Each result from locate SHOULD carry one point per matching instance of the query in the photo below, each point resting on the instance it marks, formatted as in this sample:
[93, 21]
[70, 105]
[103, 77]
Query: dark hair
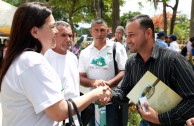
[191, 39]
[25, 18]
[98, 21]
[145, 22]
[173, 37]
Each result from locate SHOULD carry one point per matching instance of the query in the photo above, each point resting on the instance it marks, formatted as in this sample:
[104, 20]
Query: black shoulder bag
[71, 121]
[87, 113]
[115, 62]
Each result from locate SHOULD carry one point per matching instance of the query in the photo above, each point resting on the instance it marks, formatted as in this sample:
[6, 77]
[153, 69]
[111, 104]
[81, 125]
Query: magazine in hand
[160, 97]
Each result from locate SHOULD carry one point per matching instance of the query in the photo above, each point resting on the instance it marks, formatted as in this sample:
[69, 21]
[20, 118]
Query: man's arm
[59, 110]
[120, 92]
[86, 82]
[182, 79]
[121, 58]
[115, 81]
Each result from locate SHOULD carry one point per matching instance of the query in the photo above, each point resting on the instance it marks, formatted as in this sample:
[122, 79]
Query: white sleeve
[81, 66]
[41, 86]
[121, 56]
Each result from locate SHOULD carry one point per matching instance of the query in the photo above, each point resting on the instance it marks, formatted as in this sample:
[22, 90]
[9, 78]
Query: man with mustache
[65, 62]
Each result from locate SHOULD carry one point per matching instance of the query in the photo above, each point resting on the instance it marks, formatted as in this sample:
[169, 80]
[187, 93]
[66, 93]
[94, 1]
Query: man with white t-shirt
[96, 67]
[65, 62]
[173, 44]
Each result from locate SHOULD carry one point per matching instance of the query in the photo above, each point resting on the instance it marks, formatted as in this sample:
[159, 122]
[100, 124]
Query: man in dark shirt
[170, 67]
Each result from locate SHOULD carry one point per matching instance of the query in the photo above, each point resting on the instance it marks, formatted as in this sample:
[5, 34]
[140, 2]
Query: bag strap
[115, 63]
[77, 112]
[71, 122]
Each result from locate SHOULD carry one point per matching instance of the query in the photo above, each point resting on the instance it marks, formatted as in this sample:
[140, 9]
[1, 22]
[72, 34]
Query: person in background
[30, 88]
[1, 53]
[119, 33]
[65, 62]
[188, 46]
[190, 56]
[160, 40]
[186, 50]
[110, 36]
[96, 67]
[168, 66]
[3, 50]
[167, 40]
[119, 37]
[74, 41]
[173, 44]
[5, 45]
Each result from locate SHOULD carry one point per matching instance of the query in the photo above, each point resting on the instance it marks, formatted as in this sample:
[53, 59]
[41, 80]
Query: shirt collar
[154, 54]
[155, 51]
[108, 43]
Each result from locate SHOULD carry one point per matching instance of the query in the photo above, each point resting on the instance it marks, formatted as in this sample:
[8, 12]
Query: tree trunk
[165, 16]
[71, 11]
[192, 20]
[115, 14]
[173, 16]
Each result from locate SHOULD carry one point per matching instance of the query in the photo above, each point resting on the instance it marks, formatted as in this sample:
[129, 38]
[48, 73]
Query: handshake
[103, 94]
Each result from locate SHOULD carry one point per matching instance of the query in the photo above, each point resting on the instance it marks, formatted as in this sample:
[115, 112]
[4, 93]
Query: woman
[30, 88]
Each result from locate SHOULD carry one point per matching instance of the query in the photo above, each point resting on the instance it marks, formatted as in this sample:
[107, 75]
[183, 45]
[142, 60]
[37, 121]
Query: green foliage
[127, 16]
[66, 9]
[77, 10]
[182, 27]
[19, 2]
[82, 31]
[134, 117]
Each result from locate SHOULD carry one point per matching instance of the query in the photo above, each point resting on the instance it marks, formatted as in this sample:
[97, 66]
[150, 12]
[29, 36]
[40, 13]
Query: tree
[181, 27]
[173, 15]
[165, 16]
[115, 15]
[158, 21]
[174, 8]
[75, 11]
[19, 2]
[192, 20]
[127, 16]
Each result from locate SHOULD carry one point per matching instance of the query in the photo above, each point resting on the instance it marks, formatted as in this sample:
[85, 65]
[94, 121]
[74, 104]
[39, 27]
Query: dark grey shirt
[171, 68]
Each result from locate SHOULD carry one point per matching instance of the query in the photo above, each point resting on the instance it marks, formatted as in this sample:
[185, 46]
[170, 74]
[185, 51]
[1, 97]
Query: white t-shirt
[29, 87]
[66, 67]
[174, 46]
[99, 64]
[189, 48]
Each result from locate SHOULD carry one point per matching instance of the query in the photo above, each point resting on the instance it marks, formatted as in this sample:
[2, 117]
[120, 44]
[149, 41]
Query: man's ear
[90, 30]
[108, 30]
[149, 33]
[33, 32]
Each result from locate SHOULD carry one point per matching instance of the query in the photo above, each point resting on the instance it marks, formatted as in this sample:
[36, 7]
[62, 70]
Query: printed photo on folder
[160, 97]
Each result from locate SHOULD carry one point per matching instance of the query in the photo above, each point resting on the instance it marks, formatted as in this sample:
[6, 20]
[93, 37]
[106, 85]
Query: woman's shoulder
[31, 58]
